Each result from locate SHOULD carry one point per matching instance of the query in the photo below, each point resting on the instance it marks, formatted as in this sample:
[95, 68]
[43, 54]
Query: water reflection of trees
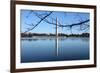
[85, 39]
[60, 39]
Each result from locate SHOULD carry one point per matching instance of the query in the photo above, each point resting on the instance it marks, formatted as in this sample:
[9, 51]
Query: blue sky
[65, 18]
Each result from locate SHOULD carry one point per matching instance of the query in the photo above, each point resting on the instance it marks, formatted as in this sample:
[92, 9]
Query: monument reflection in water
[43, 50]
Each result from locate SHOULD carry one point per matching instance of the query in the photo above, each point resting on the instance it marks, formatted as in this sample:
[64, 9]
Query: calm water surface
[42, 50]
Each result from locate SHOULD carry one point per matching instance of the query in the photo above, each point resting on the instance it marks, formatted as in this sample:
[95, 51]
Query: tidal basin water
[44, 50]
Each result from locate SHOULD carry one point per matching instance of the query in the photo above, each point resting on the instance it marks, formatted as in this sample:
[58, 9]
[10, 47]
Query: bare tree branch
[43, 17]
[38, 23]
[71, 25]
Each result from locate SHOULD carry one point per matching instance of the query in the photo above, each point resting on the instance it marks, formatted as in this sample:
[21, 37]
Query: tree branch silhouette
[29, 29]
[43, 17]
[60, 25]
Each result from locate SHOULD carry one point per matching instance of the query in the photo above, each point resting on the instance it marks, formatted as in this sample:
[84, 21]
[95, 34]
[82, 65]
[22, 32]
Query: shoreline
[50, 38]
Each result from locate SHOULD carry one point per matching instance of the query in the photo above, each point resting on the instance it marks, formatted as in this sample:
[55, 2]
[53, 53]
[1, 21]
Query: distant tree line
[51, 34]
